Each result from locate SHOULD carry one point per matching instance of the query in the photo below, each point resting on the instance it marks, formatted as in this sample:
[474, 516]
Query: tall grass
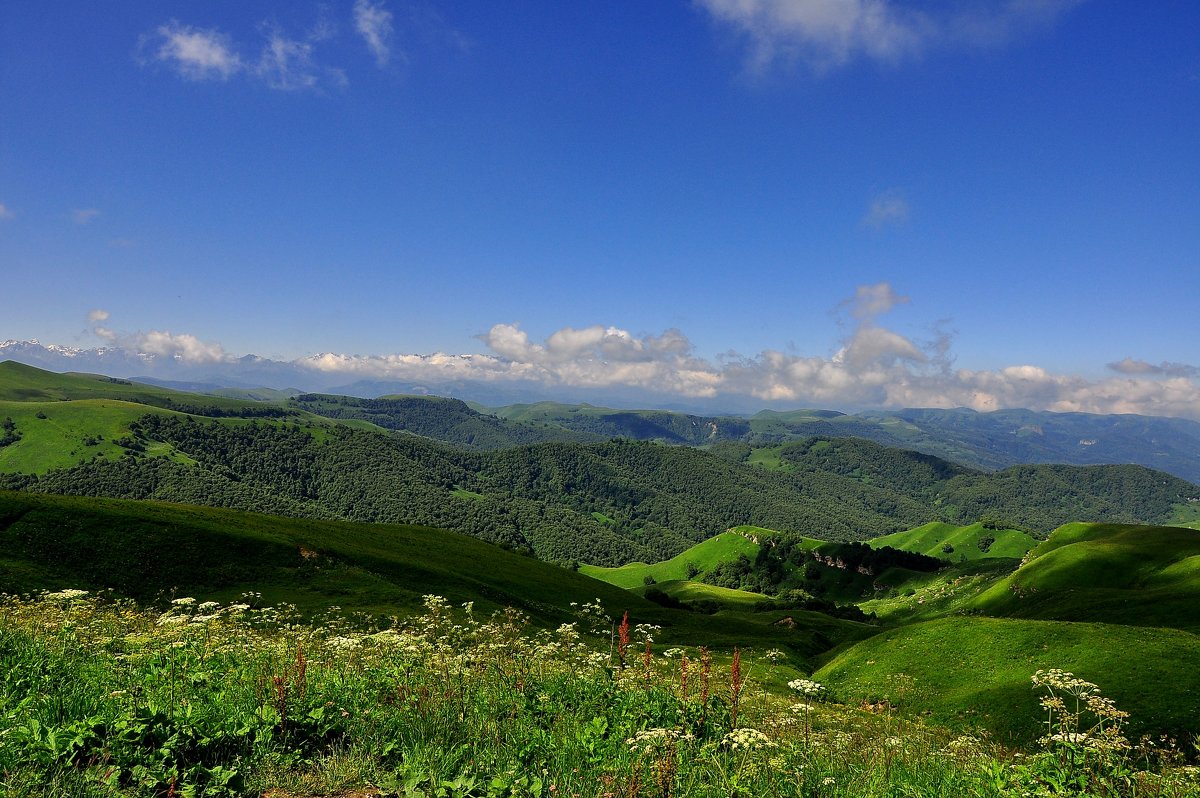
[102, 697]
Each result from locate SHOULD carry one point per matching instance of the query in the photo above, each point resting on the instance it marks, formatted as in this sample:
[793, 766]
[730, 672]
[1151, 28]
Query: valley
[894, 578]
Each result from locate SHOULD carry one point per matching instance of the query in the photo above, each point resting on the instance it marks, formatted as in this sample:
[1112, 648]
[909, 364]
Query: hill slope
[975, 672]
[1117, 573]
[956, 543]
[150, 551]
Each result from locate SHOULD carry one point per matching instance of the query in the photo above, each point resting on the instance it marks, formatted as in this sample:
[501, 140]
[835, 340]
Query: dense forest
[603, 503]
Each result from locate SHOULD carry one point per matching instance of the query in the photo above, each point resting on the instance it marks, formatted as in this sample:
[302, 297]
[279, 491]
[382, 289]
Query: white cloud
[197, 54]
[5, 213]
[84, 215]
[284, 63]
[287, 64]
[873, 367]
[870, 301]
[831, 33]
[183, 347]
[374, 23]
[888, 208]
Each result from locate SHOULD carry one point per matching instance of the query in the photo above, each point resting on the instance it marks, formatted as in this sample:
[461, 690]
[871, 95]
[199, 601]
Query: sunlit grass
[102, 697]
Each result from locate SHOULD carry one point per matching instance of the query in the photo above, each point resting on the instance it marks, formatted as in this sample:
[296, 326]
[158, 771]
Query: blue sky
[684, 193]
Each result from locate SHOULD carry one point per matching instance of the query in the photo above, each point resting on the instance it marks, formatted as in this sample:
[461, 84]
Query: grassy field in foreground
[975, 672]
[103, 699]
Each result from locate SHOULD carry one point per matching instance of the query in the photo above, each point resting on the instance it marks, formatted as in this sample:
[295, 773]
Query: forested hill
[447, 420]
[986, 441]
[604, 503]
[644, 425]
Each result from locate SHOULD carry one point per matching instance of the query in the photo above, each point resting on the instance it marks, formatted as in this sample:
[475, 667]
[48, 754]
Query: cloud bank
[827, 34]
[874, 367]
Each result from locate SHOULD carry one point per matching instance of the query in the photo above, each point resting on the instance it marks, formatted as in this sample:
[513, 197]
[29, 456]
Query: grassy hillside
[61, 434]
[144, 549]
[21, 383]
[684, 590]
[975, 672]
[151, 551]
[1141, 575]
[605, 503]
[957, 543]
[703, 557]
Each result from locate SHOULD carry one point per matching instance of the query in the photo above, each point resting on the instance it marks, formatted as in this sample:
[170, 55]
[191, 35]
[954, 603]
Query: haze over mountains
[991, 440]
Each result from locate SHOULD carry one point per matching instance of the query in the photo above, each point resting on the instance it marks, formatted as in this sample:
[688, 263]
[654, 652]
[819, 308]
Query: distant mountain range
[501, 414]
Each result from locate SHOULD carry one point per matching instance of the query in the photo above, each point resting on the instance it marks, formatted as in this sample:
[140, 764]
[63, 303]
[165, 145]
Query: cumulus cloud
[831, 33]
[374, 23]
[183, 347]
[197, 53]
[874, 366]
[888, 208]
[84, 215]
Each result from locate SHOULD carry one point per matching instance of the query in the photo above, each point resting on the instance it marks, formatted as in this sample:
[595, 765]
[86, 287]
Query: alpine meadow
[704, 399]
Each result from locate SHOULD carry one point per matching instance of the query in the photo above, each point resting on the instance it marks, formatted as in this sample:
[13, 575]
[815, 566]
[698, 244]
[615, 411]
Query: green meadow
[696, 561]
[956, 543]
[969, 672]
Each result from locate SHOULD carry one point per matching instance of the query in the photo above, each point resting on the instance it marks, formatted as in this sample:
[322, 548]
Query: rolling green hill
[151, 551]
[1116, 573]
[62, 434]
[975, 672]
[21, 383]
[606, 503]
[694, 562]
[956, 543]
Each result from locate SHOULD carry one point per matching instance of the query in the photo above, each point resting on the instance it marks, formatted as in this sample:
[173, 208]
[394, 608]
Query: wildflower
[657, 739]
[747, 739]
[807, 688]
[70, 594]
[186, 601]
[1075, 738]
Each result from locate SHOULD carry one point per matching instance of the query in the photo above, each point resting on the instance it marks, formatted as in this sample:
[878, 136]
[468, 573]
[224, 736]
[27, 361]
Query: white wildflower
[746, 739]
